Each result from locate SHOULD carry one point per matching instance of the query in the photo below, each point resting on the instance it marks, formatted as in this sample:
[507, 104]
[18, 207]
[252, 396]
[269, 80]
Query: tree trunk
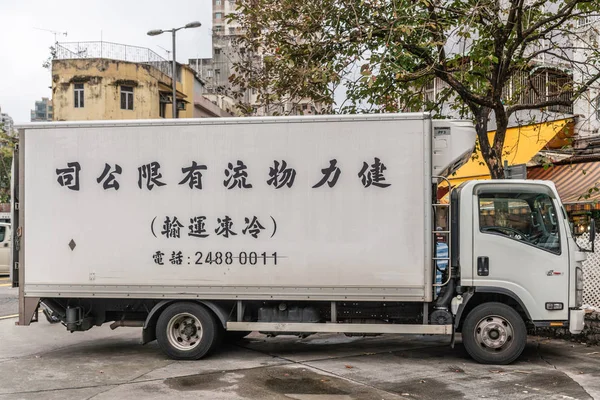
[497, 170]
[492, 153]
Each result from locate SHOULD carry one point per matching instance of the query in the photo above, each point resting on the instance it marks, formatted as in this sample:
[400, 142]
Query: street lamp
[156, 32]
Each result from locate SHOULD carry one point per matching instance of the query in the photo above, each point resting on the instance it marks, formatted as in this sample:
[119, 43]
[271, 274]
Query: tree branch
[539, 105]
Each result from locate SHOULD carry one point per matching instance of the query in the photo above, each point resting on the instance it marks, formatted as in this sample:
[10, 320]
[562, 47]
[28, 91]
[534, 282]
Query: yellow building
[87, 85]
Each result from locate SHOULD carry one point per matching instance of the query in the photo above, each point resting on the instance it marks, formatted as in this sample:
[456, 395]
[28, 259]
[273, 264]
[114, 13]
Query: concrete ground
[44, 361]
[8, 297]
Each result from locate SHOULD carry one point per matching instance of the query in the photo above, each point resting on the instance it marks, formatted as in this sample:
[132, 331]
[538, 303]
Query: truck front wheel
[186, 331]
[494, 333]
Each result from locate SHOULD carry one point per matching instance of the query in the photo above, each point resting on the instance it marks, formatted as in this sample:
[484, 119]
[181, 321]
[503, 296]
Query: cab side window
[2, 233]
[529, 218]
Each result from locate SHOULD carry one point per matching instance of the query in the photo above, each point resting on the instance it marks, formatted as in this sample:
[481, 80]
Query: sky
[23, 48]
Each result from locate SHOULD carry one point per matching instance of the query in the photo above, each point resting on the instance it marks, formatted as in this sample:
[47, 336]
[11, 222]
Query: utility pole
[156, 32]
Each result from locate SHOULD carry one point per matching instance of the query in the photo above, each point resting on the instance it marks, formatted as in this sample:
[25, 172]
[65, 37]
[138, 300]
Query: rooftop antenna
[53, 50]
[55, 33]
[167, 51]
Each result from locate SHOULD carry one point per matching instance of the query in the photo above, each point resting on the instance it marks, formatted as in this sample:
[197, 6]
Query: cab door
[520, 248]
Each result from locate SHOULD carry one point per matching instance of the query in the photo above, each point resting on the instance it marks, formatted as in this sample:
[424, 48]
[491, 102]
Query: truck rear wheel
[494, 333]
[187, 331]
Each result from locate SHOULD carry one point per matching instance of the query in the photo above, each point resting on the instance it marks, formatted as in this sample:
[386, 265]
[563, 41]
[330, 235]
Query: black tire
[494, 333]
[235, 336]
[187, 331]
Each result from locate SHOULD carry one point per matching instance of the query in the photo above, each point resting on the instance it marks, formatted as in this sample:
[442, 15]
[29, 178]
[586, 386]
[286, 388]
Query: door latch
[483, 266]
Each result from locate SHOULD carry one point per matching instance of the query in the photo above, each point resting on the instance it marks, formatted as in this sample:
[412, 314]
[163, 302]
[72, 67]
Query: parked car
[5, 239]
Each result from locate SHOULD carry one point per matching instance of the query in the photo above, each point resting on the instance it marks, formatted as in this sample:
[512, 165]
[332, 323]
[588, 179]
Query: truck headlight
[578, 287]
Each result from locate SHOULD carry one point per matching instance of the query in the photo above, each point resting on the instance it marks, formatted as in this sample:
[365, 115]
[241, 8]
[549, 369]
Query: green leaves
[456, 58]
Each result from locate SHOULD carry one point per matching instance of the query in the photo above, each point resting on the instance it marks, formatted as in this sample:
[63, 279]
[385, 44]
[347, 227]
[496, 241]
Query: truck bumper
[576, 321]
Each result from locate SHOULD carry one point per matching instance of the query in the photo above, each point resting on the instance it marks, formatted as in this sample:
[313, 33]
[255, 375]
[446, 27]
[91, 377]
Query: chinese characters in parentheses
[150, 174]
[225, 227]
[172, 228]
[197, 227]
[253, 227]
[236, 176]
[69, 177]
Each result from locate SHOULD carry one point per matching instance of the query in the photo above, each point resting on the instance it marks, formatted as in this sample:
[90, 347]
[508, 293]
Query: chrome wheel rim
[494, 333]
[184, 331]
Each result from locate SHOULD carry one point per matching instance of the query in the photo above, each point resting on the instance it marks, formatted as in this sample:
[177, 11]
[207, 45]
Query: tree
[386, 53]
[7, 145]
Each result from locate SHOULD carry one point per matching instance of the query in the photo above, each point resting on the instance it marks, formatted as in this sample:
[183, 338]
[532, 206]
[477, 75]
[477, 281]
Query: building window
[126, 97]
[231, 31]
[218, 15]
[78, 92]
[217, 72]
[217, 51]
[218, 29]
[218, 2]
[162, 109]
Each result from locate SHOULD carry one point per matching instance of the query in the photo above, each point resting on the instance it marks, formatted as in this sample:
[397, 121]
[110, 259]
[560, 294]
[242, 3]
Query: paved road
[8, 297]
[43, 361]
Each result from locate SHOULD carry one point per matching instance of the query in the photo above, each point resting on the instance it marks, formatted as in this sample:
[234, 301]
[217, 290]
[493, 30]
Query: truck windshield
[526, 217]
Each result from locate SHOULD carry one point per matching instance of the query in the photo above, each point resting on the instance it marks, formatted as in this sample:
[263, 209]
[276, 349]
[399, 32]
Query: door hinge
[16, 206]
[16, 265]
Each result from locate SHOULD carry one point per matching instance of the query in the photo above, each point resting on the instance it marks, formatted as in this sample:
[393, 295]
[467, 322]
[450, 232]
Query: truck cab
[513, 245]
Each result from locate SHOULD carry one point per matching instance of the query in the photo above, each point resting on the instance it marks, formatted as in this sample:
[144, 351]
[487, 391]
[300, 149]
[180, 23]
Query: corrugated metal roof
[576, 183]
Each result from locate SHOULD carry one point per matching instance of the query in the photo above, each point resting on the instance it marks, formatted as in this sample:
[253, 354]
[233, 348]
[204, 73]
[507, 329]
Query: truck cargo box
[320, 208]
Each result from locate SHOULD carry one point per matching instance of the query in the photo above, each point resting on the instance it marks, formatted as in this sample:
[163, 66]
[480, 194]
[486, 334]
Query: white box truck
[202, 230]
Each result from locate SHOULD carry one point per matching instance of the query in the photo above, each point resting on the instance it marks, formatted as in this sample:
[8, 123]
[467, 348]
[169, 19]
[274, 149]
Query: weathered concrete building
[122, 82]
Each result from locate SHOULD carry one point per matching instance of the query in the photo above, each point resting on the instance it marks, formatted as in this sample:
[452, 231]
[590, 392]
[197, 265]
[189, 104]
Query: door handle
[483, 266]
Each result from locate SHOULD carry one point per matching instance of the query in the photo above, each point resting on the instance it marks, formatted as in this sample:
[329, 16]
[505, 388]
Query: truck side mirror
[592, 233]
